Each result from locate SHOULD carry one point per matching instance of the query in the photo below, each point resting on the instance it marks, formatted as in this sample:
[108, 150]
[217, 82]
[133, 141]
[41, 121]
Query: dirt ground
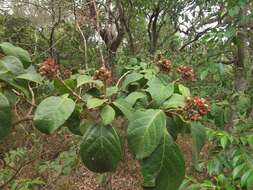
[127, 176]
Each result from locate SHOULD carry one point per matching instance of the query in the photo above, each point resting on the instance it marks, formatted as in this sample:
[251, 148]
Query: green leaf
[234, 11]
[165, 168]
[12, 64]
[159, 91]
[18, 52]
[185, 184]
[107, 114]
[204, 74]
[111, 91]
[247, 179]
[224, 141]
[95, 102]
[175, 101]
[34, 77]
[85, 79]
[5, 116]
[133, 77]
[101, 149]
[134, 96]
[199, 137]
[10, 79]
[74, 121]
[133, 61]
[176, 125]
[218, 114]
[52, 112]
[238, 170]
[124, 107]
[145, 131]
[184, 90]
[243, 103]
[61, 88]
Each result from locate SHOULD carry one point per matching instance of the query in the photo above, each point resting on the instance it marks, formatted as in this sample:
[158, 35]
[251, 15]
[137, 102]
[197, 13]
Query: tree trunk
[153, 30]
[240, 66]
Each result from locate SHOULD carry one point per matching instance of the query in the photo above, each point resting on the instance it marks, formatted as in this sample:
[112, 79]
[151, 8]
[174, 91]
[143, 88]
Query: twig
[27, 118]
[79, 98]
[84, 39]
[52, 46]
[32, 103]
[14, 175]
[51, 182]
[98, 31]
[199, 35]
[122, 77]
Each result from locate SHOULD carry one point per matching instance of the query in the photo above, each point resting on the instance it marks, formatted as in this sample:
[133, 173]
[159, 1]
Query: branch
[70, 90]
[55, 25]
[14, 175]
[27, 118]
[197, 37]
[33, 104]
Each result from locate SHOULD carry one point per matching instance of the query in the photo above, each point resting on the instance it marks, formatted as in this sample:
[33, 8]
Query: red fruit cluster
[186, 72]
[49, 68]
[67, 73]
[195, 108]
[164, 64]
[104, 75]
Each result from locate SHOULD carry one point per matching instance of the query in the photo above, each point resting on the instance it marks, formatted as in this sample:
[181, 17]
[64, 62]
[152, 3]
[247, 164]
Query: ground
[127, 176]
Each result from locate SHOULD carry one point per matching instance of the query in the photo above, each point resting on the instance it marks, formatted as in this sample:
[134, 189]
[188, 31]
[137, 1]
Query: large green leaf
[52, 112]
[134, 96]
[74, 121]
[12, 64]
[124, 107]
[64, 89]
[175, 101]
[101, 149]
[145, 131]
[34, 77]
[160, 91]
[133, 77]
[10, 79]
[176, 125]
[5, 116]
[199, 138]
[95, 102]
[111, 91]
[107, 114]
[165, 168]
[18, 52]
[184, 90]
[85, 79]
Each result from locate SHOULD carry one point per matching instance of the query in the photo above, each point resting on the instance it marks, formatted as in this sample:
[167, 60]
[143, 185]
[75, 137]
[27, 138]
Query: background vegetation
[204, 48]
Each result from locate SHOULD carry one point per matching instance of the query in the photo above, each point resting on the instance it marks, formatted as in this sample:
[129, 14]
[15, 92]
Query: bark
[56, 22]
[113, 32]
[240, 66]
[131, 41]
[156, 23]
[126, 23]
[152, 30]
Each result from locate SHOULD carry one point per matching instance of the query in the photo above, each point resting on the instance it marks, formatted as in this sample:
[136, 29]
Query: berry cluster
[186, 72]
[104, 75]
[49, 68]
[163, 63]
[195, 108]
